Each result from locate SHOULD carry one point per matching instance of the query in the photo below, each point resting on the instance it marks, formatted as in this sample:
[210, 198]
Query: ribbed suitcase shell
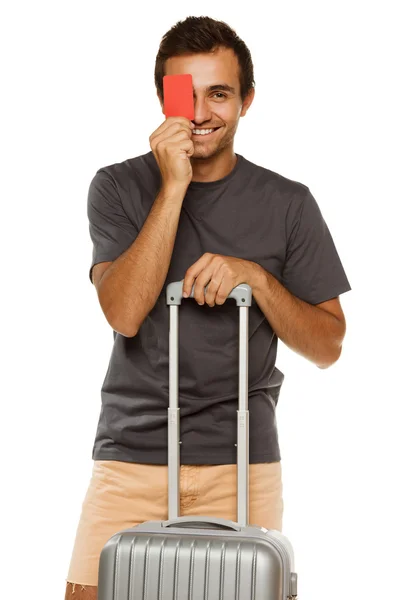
[199, 558]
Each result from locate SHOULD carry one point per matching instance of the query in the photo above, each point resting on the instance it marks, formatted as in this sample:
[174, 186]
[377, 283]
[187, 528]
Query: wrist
[174, 189]
[257, 277]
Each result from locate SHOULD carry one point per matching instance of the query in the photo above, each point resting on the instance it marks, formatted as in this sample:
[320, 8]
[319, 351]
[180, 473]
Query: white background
[79, 94]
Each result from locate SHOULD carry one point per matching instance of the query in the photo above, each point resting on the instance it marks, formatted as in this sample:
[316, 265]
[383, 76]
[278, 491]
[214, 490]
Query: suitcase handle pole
[243, 296]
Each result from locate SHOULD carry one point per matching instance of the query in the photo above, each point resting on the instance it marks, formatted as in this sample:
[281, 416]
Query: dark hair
[203, 34]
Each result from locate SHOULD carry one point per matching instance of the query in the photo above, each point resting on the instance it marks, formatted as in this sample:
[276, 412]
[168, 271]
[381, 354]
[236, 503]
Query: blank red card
[178, 96]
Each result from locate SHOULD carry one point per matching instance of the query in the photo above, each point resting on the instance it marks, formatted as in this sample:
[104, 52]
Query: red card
[178, 96]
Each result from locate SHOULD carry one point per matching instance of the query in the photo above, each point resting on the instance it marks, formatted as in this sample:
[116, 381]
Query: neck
[213, 168]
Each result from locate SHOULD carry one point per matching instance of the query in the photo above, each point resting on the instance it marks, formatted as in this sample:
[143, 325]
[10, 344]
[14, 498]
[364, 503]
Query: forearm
[308, 330]
[132, 284]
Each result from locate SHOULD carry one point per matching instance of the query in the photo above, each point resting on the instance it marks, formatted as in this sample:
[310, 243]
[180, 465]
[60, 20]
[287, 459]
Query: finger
[224, 290]
[169, 136]
[171, 121]
[180, 124]
[202, 280]
[193, 272]
[213, 287]
[178, 141]
[181, 120]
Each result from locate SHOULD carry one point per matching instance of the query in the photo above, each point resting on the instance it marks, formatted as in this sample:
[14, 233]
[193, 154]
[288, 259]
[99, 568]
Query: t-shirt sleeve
[313, 270]
[111, 231]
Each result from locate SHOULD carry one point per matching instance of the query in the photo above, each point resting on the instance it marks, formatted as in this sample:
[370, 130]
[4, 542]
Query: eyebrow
[220, 86]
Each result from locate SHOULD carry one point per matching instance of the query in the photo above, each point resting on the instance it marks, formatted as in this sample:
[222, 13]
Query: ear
[247, 102]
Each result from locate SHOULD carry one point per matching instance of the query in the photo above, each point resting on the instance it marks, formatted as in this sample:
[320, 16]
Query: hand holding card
[178, 96]
[171, 143]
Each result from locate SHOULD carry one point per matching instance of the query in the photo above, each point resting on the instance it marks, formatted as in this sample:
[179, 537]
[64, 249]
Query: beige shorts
[121, 495]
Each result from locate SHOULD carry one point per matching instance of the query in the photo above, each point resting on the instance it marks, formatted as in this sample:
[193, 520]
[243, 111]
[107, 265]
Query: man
[192, 209]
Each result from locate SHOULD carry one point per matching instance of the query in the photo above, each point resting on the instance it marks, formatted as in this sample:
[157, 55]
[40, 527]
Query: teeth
[202, 131]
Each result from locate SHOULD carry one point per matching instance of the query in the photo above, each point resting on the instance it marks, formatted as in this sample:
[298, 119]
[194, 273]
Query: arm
[312, 271]
[130, 286]
[315, 332]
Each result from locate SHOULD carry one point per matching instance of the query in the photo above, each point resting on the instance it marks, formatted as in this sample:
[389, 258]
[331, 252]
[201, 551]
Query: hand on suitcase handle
[196, 522]
[242, 293]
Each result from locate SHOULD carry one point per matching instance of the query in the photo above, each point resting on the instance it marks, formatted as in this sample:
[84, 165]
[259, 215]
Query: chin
[205, 153]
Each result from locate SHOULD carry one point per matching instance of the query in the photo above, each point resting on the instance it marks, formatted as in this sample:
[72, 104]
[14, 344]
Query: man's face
[213, 108]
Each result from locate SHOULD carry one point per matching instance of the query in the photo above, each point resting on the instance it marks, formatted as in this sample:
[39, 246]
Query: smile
[199, 133]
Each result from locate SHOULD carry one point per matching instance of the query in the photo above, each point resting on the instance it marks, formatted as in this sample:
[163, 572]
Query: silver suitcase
[201, 558]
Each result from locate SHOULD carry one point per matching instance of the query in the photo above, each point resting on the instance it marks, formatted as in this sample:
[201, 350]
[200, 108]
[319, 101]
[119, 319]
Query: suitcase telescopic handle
[243, 296]
[242, 293]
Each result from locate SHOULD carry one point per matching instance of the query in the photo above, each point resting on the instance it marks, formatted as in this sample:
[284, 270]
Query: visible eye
[220, 93]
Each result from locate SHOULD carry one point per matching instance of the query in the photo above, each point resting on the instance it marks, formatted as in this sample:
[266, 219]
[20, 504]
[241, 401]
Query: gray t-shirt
[254, 214]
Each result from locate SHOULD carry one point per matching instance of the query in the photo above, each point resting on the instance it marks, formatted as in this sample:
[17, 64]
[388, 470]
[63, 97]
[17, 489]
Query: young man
[193, 209]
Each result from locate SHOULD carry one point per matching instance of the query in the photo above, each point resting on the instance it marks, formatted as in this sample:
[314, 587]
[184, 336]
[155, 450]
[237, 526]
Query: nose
[202, 111]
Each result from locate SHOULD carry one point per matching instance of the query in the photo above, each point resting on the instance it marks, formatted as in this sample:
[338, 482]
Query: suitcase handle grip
[242, 293]
[202, 522]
